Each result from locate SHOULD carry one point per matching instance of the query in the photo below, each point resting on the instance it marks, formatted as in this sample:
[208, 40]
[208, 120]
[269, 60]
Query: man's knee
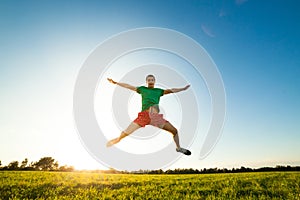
[174, 132]
[123, 134]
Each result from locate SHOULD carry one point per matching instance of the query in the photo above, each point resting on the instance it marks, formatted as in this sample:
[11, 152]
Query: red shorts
[147, 118]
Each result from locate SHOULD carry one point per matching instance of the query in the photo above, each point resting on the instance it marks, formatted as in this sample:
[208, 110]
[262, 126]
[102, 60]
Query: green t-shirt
[150, 96]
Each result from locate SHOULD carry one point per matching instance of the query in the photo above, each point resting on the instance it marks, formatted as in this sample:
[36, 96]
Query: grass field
[81, 185]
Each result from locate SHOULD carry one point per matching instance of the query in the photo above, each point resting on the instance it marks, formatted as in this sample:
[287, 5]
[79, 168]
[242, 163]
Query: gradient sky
[255, 45]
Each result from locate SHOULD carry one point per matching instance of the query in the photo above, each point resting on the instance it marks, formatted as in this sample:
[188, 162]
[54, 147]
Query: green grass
[79, 185]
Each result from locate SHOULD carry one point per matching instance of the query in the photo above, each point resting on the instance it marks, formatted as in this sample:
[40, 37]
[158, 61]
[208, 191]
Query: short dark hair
[150, 75]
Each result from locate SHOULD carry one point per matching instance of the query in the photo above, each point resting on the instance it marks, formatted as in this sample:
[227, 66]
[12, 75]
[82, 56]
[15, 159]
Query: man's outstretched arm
[125, 85]
[174, 90]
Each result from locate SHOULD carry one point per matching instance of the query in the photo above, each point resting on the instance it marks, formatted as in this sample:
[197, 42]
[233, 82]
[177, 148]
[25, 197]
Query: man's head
[150, 80]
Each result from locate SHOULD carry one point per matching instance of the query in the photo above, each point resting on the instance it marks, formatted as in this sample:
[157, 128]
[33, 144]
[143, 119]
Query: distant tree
[13, 165]
[242, 169]
[224, 170]
[31, 164]
[46, 164]
[112, 171]
[24, 164]
[212, 170]
[66, 168]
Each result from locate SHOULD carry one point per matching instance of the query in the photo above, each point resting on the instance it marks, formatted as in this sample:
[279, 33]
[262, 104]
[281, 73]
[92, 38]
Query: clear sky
[255, 45]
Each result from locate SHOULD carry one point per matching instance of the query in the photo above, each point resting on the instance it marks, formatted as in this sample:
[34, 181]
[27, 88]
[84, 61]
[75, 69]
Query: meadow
[86, 185]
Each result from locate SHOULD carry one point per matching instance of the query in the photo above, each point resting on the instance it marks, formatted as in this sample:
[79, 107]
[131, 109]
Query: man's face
[150, 81]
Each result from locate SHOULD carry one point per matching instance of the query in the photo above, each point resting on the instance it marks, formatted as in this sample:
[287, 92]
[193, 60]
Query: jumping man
[150, 111]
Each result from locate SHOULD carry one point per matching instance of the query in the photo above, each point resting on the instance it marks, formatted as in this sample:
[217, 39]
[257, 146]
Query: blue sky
[255, 45]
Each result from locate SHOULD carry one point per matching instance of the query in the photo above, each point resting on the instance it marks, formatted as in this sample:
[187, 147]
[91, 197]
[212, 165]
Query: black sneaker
[184, 151]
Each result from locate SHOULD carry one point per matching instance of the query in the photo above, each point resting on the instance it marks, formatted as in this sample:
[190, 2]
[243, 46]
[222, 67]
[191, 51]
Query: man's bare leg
[170, 128]
[130, 129]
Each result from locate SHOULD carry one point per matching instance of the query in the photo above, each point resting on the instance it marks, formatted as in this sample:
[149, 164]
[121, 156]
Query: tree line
[49, 164]
[44, 164]
[278, 168]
